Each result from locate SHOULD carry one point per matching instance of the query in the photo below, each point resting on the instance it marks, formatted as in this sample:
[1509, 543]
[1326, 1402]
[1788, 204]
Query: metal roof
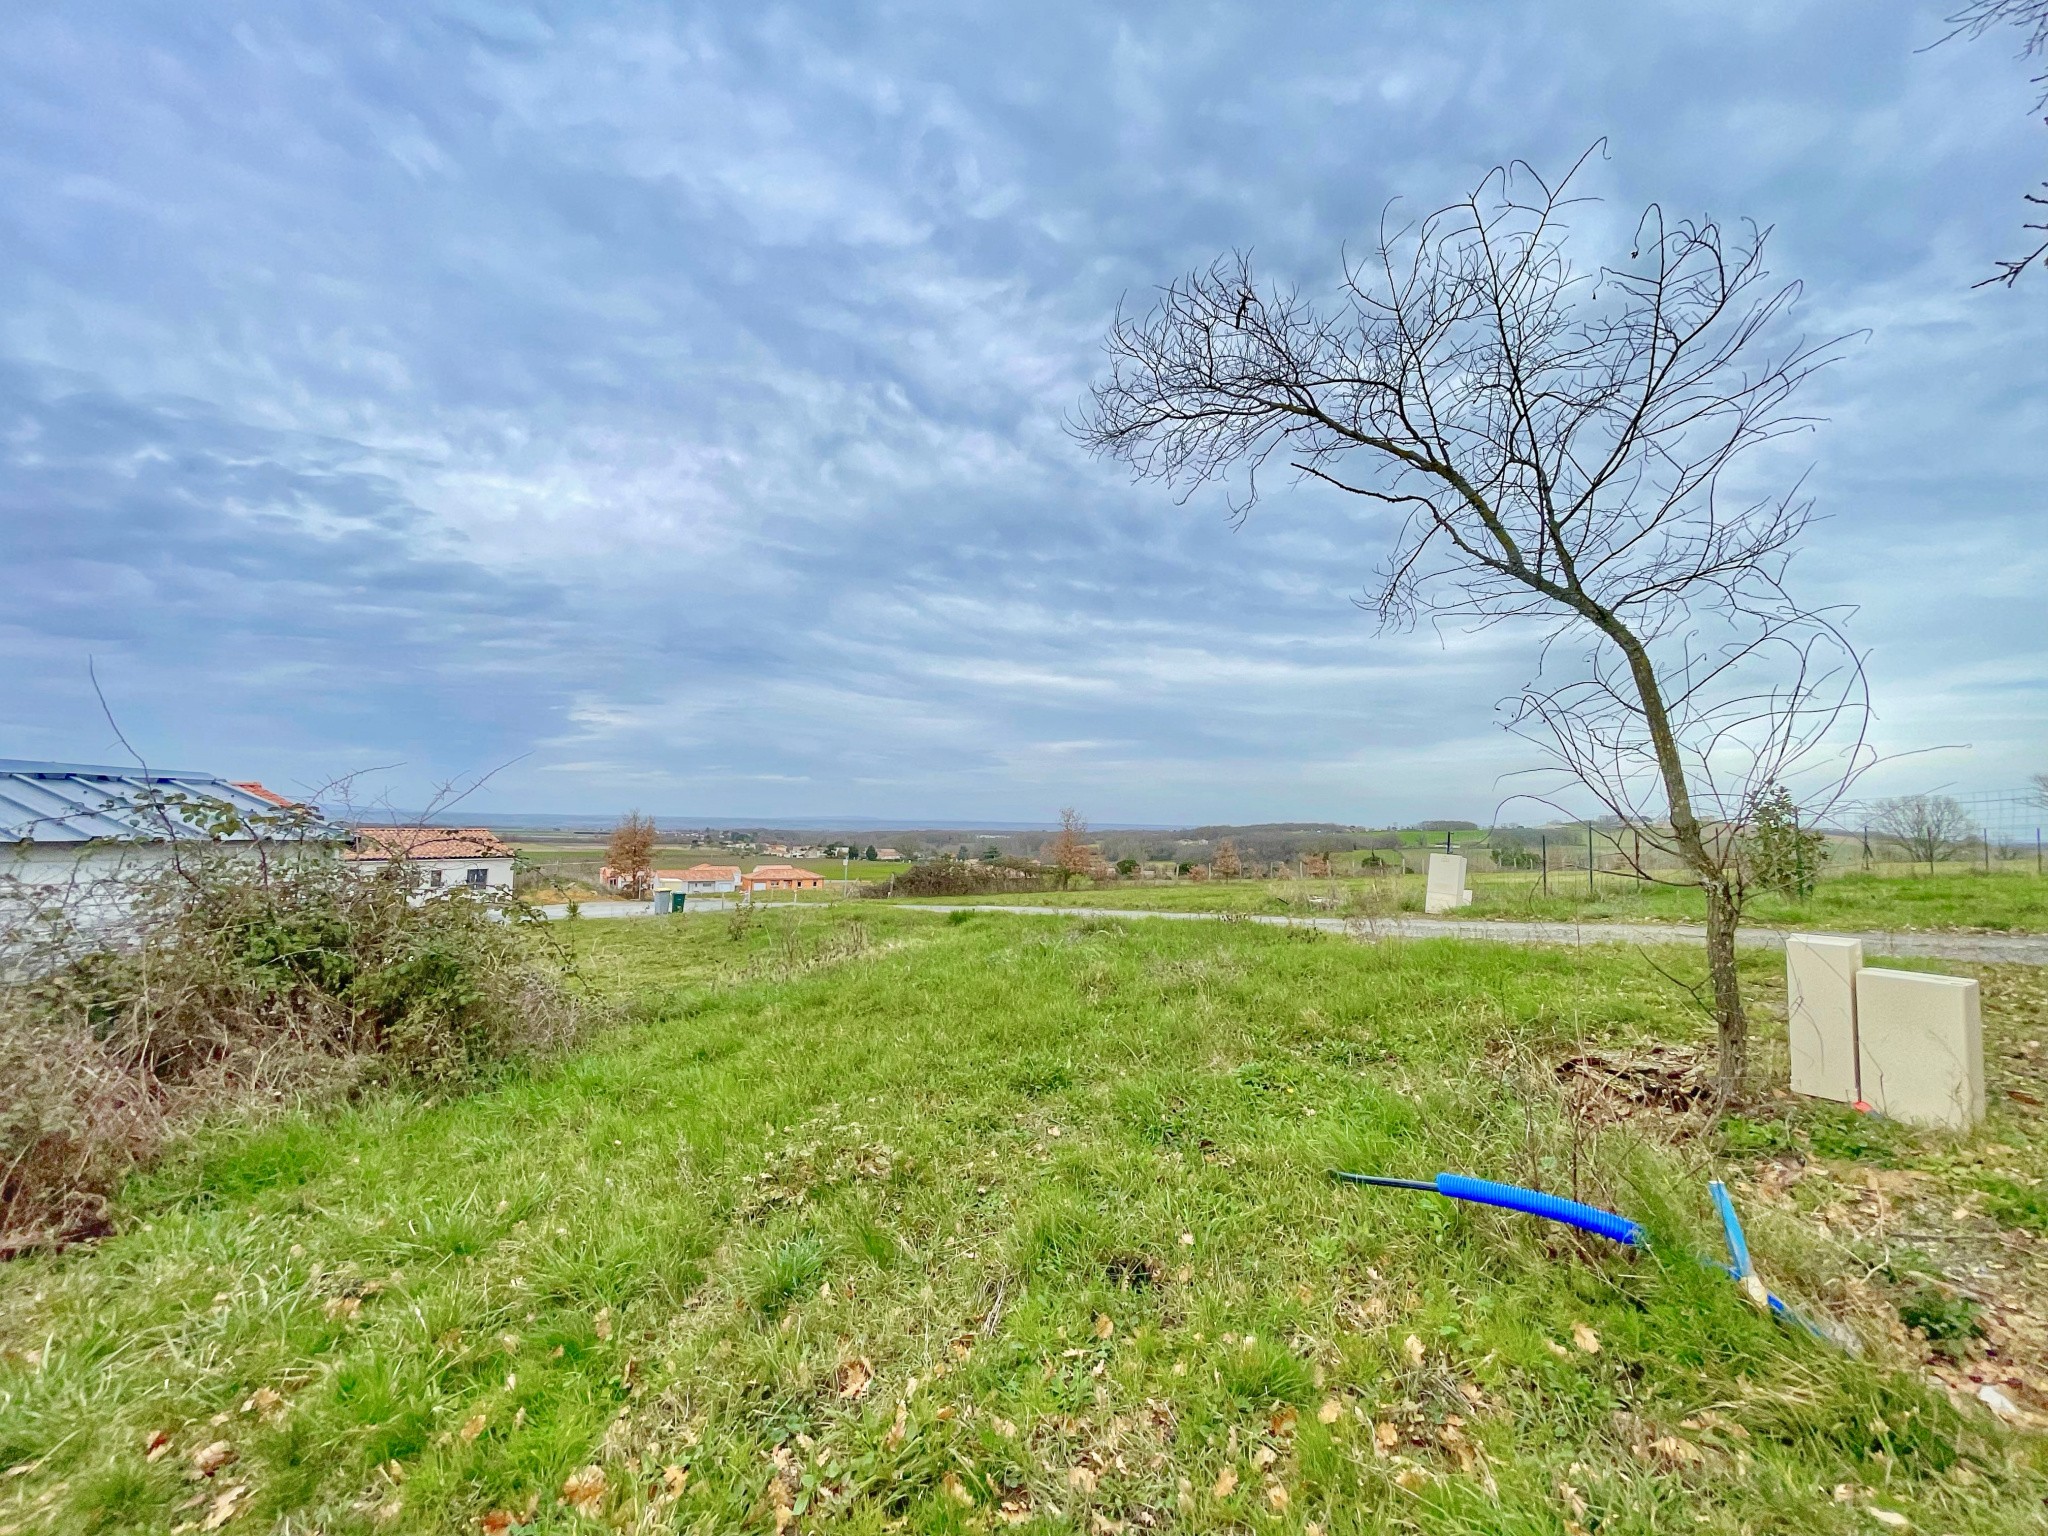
[88, 802]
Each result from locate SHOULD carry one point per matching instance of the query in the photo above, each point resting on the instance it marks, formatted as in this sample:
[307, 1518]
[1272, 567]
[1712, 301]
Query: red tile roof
[701, 872]
[427, 843]
[781, 873]
[250, 786]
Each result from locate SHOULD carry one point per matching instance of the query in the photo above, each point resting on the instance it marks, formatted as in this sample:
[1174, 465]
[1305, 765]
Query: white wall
[445, 874]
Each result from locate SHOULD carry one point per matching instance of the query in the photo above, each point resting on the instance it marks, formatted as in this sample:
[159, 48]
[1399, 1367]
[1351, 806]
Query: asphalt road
[2012, 948]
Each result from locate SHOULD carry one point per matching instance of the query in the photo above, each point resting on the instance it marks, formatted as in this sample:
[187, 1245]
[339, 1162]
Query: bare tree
[1226, 864]
[1928, 827]
[1069, 852]
[1559, 445]
[630, 853]
[2031, 18]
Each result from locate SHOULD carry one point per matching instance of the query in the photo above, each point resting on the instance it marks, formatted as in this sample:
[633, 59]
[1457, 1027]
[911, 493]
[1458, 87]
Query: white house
[77, 832]
[699, 879]
[441, 858]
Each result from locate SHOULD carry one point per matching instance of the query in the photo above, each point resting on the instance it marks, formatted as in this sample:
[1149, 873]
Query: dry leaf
[1104, 1326]
[1557, 1349]
[1411, 1478]
[956, 1490]
[156, 1445]
[1226, 1482]
[473, 1426]
[224, 1508]
[209, 1459]
[1676, 1452]
[1277, 1497]
[1264, 1457]
[1586, 1339]
[1411, 1348]
[854, 1378]
[673, 1481]
[1754, 1293]
[601, 1324]
[1890, 1517]
[344, 1307]
[497, 1522]
[263, 1400]
[1081, 1478]
[1331, 1411]
[1573, 1500]
[1385, 1436]
[583, 1491]
[1282, 1422]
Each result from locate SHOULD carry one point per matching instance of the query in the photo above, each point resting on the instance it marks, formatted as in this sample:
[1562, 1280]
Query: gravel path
[2014, 948]
[2023, 949]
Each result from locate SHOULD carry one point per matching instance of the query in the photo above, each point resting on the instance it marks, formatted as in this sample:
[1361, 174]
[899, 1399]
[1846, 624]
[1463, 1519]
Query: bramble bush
[227, 984]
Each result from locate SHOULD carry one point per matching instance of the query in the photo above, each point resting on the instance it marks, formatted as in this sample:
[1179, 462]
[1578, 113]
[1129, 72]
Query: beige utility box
[1446, 888]
[1820, 1014]
[1920, 1040]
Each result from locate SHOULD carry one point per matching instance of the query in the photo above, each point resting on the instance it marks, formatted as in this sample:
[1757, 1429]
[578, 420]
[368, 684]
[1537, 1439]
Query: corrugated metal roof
[87, 802]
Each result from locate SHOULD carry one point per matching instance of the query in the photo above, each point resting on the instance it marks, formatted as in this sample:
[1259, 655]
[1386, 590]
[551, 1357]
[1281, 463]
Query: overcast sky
[667, 401]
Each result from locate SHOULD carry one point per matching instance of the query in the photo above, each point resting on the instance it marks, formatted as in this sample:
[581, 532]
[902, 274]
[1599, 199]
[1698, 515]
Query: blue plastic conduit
[1512, 1197]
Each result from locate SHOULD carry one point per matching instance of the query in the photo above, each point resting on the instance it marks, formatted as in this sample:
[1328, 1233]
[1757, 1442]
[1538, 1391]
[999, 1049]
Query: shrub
[956, 877]
[230, 985]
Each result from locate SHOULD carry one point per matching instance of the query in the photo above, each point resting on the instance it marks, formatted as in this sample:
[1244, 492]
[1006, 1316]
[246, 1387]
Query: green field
[871, 1220]
[1963, 899]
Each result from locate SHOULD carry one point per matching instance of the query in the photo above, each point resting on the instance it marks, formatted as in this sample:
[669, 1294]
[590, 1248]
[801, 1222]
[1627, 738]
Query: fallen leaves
[1104, 1325]
[854, 1377]
[1226, 1482]
[956, 1490]
[1587, 1341]
[209, 1459]
[473, 1426]
[583, 1491]
[1412, 1351]
[601, 1324]
[224, 1508]
[155, 1446]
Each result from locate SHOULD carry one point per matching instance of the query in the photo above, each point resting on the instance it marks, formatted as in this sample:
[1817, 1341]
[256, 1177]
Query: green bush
[230, 984]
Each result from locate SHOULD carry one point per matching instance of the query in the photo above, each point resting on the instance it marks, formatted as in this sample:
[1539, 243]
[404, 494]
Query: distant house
[781, 877]
[441, 857]
[82, 826]
[888, 853]
[699, 879]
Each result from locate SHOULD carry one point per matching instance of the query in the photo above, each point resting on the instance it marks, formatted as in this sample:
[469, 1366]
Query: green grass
[900, 1224]
[1962, 899]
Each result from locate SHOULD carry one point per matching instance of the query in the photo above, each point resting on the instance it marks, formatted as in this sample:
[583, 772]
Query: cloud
[677, 397]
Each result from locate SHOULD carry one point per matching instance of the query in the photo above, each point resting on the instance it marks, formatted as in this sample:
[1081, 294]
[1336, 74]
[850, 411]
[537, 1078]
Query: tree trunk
[1730, 1022]
[1724, 911]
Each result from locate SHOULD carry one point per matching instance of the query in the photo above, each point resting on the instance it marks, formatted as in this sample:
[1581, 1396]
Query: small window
[478, 877]
[434, 877]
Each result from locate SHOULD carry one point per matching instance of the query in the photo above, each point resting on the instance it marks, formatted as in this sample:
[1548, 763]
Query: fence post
[1592, 891]
[1544, 838]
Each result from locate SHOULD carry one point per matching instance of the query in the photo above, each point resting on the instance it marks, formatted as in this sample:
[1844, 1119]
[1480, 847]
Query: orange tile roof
[701, 872]
[427, 843]
[250, 786]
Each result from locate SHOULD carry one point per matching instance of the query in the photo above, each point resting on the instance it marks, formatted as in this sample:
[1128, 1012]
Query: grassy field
[1999, 902]
[871, 1220]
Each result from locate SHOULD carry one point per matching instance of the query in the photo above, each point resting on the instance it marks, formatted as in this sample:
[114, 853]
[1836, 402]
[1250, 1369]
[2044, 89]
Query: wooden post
[1592, 891]
[1544, 838]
